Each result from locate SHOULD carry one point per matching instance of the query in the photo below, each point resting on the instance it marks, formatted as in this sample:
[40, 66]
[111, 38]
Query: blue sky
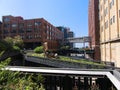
[68, 13]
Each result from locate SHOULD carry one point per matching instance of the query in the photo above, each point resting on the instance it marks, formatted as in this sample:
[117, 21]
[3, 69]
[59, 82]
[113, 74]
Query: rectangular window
[6, 19]
[112, 2]
[29, 30]
[5, 32]
[14, 25]
[37, 23]
[101, 28]
[13, 31]
[106, 24]
[106, 11]
[110, 5]
[21, 30]
[6, 25]
[21, 25]
[29, 24]
[113, 19]
[119, 13]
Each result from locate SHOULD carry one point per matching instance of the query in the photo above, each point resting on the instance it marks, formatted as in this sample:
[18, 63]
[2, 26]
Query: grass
[68, 59]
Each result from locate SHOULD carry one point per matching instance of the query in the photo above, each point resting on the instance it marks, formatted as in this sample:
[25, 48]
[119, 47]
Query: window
[37, 23]
[6, 19]
[21, 30]
[37, 36]
[119, 13]
[21, 24]
[101, 28]
[14, 25]
[13, 31]
[29, 30]
[101, 18]
[106, 24]
[37, 29]
[22, 36]
[29, 37]
[106, 11]
[111, 4]
[105, 1]
[5, 32]
[6, 25]
[113, 19]
[29, 24]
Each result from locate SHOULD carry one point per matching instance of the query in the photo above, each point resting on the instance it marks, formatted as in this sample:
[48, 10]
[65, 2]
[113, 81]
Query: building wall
[94, 27]
[32, 31]
[0, 29]
[110, 30]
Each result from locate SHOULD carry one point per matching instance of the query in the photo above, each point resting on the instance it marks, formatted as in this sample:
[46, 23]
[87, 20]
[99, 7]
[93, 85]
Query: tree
[16, 41]
[38, 49]
[10, 80]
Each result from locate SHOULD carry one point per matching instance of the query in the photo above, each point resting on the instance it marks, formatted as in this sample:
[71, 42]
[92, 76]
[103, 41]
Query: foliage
[10, 45]
[69, 59]
[65, 47]
[16, 41]
[38, 49]
[4, 45]
[9, 40]
[16, 48]
[10, 80]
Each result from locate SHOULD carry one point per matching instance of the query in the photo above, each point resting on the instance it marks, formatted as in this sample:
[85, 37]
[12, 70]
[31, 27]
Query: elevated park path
[72, 68]
[69, 63]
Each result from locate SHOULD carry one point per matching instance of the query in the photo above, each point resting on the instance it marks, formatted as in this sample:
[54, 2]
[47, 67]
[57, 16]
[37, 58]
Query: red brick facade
[0, 29]
[94, 30]
[32, 31]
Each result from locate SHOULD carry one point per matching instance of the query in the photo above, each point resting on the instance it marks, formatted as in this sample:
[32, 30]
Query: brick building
[34, 32]
[0, 29]
[94, 30]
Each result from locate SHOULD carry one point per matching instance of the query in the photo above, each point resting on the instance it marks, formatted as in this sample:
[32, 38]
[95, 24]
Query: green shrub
[38, 49]
[16, 48]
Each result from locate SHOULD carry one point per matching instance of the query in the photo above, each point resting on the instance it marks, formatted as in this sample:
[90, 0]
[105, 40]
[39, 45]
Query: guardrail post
[67, 84]
[85, 83]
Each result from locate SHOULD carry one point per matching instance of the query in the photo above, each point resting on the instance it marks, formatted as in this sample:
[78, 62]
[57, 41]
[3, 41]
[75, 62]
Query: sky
[67, 13]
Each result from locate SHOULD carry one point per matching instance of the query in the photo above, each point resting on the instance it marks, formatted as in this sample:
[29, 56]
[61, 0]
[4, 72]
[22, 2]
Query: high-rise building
[109, 14]
[94, 30]
[67, 34]
[34, 32]
[65, 31]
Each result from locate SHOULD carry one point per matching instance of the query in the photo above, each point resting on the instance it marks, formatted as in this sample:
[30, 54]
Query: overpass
[79, 40]
[69, 72]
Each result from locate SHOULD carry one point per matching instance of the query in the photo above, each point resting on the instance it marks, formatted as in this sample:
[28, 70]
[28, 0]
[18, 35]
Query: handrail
[111, 77]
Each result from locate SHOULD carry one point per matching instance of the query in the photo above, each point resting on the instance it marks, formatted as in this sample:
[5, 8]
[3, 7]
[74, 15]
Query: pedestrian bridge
[79, 39]
[67, 71]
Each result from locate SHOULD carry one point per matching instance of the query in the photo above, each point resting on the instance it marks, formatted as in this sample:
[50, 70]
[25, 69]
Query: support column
[67, 83]
[54, 83]
[85, 83]
[79, 83]
[90, 81]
